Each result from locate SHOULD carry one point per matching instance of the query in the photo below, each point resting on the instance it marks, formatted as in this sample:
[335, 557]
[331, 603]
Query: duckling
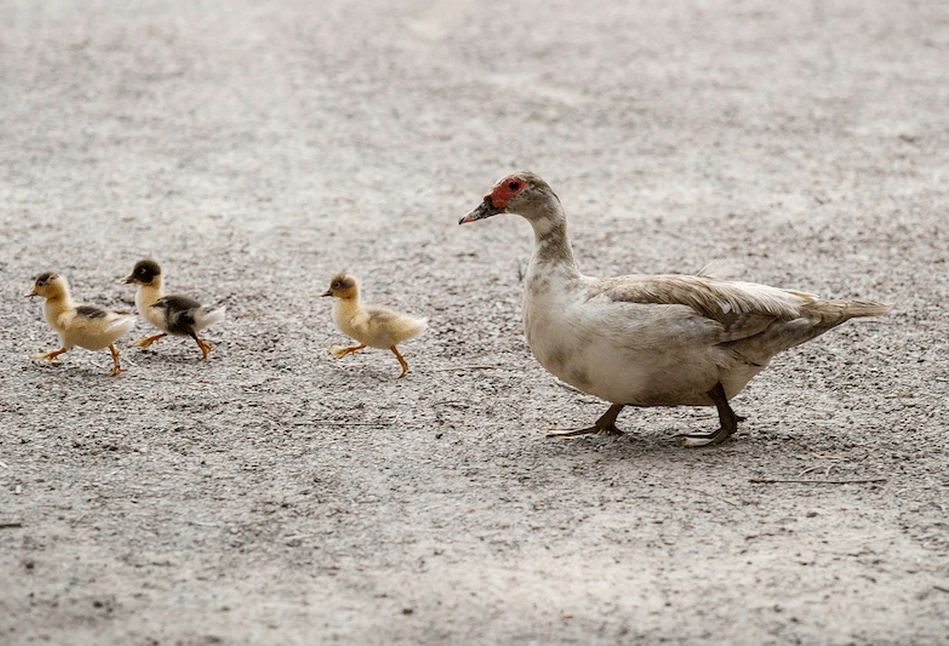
[88, 326]
[652, 340]
[371, 325]
[172, 314]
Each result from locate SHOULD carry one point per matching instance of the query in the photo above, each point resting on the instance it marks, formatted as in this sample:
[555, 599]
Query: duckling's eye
[513, 186]
[336, 285]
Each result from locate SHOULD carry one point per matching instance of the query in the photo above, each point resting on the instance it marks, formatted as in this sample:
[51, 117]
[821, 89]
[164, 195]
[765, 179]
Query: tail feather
[831, 313]
[207, 317]
[121, 325]
[815, 318]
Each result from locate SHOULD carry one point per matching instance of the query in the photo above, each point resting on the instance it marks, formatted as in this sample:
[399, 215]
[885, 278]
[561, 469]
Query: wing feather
[742, 309]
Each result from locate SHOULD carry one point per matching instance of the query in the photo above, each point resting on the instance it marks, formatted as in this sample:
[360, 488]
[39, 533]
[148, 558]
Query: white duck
[88, 326]
[661, 340]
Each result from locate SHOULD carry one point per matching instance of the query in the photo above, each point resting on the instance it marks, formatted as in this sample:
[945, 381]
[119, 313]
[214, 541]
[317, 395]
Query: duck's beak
[484, 210]
[327, 293]
[129, 280]
[31, 294]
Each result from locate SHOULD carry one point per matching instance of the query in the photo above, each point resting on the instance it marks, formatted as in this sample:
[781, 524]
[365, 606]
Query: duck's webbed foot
[342, 352]
[148, 340]
[606, 425]
[48, 356]
[727, 419]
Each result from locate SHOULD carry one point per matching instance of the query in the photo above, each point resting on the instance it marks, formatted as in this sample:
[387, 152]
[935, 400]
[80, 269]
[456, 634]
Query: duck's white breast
[630, 353]
[145, 296]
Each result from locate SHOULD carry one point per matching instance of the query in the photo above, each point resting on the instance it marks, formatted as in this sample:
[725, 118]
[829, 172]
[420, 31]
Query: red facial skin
[503, 191]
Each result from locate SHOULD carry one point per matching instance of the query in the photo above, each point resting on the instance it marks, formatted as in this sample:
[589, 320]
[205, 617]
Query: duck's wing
[385, 323]
[738, 308]
[181, 312]
[95, 320]
[181, 303]
[91, 312]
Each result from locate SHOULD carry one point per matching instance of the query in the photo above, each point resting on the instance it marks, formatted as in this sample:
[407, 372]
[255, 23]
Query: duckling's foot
[342, 352]
[402, 362]
[727, 419]
[205, 347]
[147, 341]
[48, 356]
[606, 425]
[116, 368]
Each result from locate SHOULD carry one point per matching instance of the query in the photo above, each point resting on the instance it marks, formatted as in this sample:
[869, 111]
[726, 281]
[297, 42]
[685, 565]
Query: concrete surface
[276, 495]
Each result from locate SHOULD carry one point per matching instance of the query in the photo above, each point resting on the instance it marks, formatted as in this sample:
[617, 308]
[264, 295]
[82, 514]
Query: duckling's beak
[328, 292]
[31, 294]
[129, 280]
[484, 210]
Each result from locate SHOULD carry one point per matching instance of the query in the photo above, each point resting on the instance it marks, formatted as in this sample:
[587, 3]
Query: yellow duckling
[370, 325]
[88, 326]
[172, 314]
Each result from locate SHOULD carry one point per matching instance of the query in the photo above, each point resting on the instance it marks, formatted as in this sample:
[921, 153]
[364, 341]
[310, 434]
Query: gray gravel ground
[276, 495]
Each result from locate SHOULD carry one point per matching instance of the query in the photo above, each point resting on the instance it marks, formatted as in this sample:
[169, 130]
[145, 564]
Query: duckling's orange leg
[116, 368]
[342, 352]
[405, 366]
[204, 345]
[48, 356]
[606, 425]
[727, 420]
[147, 341]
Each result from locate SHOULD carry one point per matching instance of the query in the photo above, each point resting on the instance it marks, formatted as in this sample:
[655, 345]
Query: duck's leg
[405, 366]
[204, 345]
[606, 425]
[48, 356]
[148, 340]
[727, 420]
[342, 352]
[116, 368]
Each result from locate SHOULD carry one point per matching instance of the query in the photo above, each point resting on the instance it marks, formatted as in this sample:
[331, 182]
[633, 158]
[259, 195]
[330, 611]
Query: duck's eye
[513, 186]
[336, 285]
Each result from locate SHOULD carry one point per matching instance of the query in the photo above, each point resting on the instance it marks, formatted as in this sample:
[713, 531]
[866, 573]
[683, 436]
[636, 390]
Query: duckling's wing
[739, 309]
[375, 323]
[93, 316]
[91, 312]
[180, 303]
[389, 327]
[181, 312]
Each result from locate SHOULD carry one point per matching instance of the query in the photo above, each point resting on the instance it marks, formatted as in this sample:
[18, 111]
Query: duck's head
[524, 193]
[343, 286]
[48, 285]
[144, 273]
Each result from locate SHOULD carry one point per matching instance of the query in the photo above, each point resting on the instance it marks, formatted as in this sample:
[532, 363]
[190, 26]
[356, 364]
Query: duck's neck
[552, 246]
[56, 306]
[347, 307]
[148, 294]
